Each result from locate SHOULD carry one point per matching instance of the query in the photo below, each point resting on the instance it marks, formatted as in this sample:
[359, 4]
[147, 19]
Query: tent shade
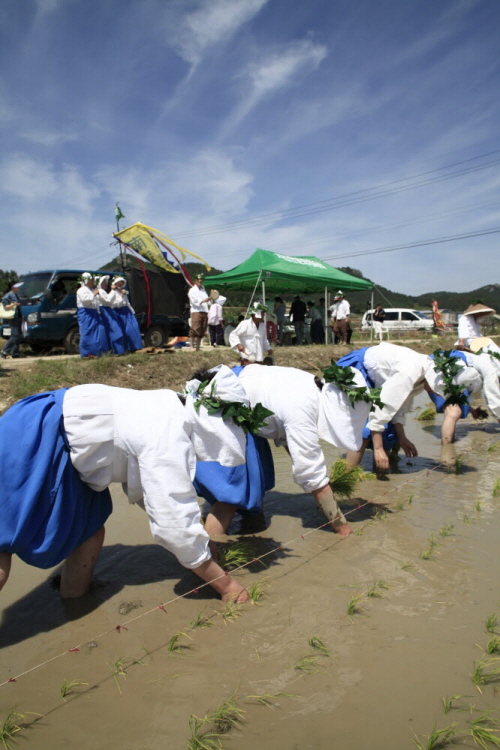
[286, 273]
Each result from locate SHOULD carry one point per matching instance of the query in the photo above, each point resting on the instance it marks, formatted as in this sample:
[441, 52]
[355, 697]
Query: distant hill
[360, 301]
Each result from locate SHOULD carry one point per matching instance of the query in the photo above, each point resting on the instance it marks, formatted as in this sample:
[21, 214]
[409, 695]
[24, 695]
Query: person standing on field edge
[298, 311]
[198, 301]
[340, 312]
[11, 301]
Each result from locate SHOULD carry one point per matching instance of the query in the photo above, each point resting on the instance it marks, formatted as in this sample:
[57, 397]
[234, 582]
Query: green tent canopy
[286, 273]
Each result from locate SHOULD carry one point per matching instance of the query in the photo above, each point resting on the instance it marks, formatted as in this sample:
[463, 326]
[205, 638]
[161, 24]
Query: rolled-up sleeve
[308, 461]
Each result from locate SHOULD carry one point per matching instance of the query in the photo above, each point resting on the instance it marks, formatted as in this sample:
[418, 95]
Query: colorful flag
[118, 213]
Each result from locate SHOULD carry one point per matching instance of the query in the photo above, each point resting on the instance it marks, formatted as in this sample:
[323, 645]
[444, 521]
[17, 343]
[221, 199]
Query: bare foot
[236, 594]
[342, 529]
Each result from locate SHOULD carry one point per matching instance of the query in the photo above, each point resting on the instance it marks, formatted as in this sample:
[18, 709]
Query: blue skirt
[130, 328]
[389, 438]
[93, 338]
[113, 329]
[244, 485]
[46, 511]
[356, 359]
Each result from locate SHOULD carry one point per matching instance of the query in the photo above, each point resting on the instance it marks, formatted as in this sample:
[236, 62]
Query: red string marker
[195, 591]
[162, 606]
[72, 650]
[120, 627]
[12, 679]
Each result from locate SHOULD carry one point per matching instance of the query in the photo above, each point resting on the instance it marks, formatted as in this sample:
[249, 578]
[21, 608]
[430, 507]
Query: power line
[347, 199]
[424, 243]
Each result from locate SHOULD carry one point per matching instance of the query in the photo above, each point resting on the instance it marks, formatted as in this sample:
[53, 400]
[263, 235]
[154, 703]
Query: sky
[363, 132]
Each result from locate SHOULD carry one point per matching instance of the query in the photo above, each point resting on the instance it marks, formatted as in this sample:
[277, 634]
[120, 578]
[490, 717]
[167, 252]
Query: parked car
[48, 305]
[401, 319]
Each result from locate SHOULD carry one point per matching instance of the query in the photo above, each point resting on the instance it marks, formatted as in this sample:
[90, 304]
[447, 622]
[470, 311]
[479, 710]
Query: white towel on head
[213, 438]
[340, 423]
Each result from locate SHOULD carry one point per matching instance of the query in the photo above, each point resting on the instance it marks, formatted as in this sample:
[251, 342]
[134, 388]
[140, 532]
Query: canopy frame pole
[253, 293]
[263, 292]
[371, 327]
[326, 315]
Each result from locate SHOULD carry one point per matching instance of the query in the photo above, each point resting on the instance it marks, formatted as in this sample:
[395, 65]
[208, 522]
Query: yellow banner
[140, 238]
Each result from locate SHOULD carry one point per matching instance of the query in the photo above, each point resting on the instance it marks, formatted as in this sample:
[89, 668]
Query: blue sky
[333, 128]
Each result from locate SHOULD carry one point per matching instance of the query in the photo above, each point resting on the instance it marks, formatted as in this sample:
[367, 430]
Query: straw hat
[482, 341]
[479, 310]
[214, 294]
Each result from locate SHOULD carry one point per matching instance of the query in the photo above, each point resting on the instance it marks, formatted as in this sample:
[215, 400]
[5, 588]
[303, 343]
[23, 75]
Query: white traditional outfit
[132, 340]
[54, 492]
[477, 371]
[110, 318]
[93, 337]
[468, 323]
[253, 338]
[215, 321]
[199, 314]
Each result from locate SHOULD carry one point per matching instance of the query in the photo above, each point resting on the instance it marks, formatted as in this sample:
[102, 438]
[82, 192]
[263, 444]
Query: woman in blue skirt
[93, 337]
[129, 325]
[59, 451]
[110, 318]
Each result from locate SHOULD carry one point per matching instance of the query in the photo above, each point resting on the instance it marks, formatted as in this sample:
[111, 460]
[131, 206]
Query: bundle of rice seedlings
[427, 415]
[344, 480]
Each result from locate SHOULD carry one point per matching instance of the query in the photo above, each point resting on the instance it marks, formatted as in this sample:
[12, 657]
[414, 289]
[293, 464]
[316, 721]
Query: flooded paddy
[412, 637]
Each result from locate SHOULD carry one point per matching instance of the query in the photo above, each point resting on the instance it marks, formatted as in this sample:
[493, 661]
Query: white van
[400, 319]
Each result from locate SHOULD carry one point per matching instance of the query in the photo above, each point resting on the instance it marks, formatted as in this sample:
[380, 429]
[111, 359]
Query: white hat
[340, 423]
[17, 285]
[213, 438]
[102, 280]
[85, 278]
[467, 378]
[117, 279]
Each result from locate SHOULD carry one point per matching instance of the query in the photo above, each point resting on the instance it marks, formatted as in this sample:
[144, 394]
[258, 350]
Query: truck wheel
[72, 340]
[155, 336]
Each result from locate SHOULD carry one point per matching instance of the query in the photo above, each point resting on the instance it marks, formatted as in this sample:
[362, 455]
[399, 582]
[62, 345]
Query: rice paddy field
[386, 640]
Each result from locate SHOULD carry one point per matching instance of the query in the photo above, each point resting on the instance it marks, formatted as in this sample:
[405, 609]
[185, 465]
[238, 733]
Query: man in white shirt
[249, 337]
[340, 312]
[468, 323]
[198, 300]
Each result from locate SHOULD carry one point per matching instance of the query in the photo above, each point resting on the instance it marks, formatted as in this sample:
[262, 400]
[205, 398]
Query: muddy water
[390, 664]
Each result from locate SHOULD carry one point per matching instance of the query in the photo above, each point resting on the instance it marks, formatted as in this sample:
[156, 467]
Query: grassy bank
[167, 369]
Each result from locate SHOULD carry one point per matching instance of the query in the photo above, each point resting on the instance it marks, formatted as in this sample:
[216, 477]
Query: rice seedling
[493, 645]
[308, 664]
[484, 730]
[231, 612]
[400, 505]
[409, 499]
[478, 506]
[493, 447]
[408, 566]
[318, 645]
[267, 699]
[446, 530]
[344, 480]
[427, 415]
[448, 702]
[235, 555]
[381, 514]
[174, 646]
[374, 590]
[68, 686]
[256, 590]
[427, 553]
[437, 738]
[496, 488]
[459, 462]
[352, 605]
[118, 670]
[201, 737]
[201, 621]
[486, 672]
[12, 724]
[227, 715]
[361, 530]
[491, 623]
[467, 519]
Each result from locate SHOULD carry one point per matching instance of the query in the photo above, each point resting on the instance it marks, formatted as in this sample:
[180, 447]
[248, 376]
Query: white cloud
[214, 22]
[277, 71]
[45, 136]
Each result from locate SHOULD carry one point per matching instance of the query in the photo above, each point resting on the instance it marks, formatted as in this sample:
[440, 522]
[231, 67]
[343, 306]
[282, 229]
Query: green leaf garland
[250, 420]
[343, 378]
[450, 366]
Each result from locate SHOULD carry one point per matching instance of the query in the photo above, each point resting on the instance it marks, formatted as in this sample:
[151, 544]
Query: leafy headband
[449, 367]
[343, 378]
[250, 420]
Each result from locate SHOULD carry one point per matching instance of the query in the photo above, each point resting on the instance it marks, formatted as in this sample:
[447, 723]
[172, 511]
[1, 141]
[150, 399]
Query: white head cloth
[102, 280]
[117, 279]
[86, 276]
[468, 377]
[339, 423]
[213, 438]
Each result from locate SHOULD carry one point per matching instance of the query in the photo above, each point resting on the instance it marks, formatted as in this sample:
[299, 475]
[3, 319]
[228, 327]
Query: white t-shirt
[196, 296]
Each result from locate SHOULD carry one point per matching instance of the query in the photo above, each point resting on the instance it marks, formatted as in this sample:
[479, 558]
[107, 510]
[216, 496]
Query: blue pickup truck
[49, 307]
